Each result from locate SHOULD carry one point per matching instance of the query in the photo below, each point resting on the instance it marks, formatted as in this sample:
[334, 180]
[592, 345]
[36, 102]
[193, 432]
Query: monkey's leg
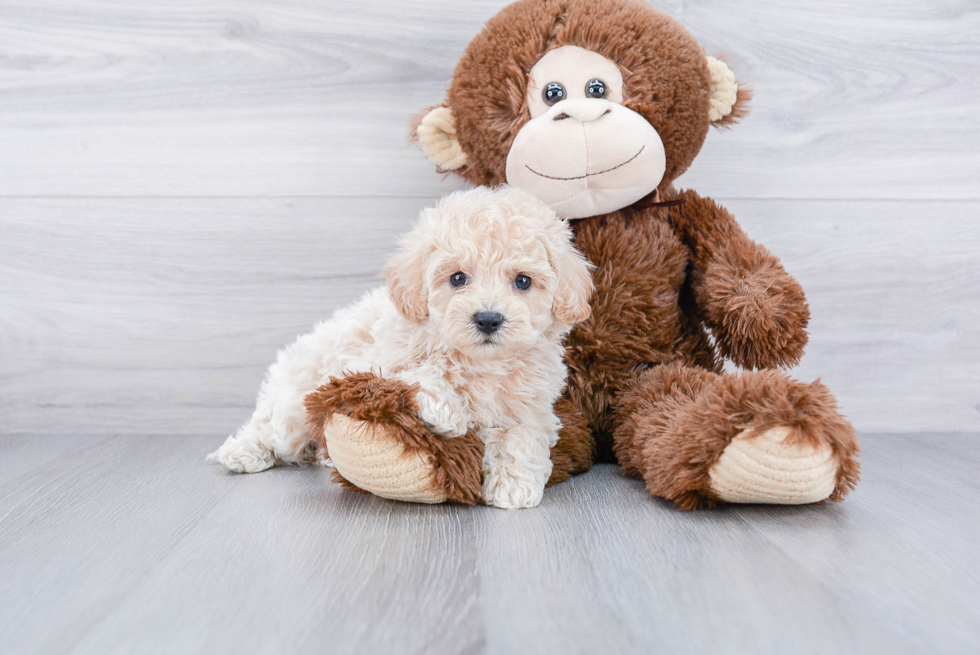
[698, 437]
[369, 427]
[575, 450]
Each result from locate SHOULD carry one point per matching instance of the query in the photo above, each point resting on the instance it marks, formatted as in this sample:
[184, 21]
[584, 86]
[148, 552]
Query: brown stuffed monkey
[596, 106]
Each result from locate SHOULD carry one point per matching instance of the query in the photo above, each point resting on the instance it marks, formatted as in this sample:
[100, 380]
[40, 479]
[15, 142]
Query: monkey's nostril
[488, 322]
[560, 117]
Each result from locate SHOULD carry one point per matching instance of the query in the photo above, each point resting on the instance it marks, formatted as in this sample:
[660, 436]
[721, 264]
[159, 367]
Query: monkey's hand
[756, 310]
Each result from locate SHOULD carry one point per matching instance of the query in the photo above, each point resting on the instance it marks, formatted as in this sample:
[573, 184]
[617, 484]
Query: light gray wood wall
[185, 186]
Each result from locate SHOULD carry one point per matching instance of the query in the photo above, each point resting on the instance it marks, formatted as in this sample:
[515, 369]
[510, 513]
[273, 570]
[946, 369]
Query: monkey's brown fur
[679, 420]
[390, 405]
[664, 74]
[645, 381]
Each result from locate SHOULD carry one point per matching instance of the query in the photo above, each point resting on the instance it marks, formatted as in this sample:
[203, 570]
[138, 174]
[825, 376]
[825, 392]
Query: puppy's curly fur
[422, 330]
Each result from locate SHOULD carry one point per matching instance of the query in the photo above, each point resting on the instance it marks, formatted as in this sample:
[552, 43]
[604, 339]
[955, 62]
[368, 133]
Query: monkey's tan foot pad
[373, 459]
[372, 433]
[769, 467]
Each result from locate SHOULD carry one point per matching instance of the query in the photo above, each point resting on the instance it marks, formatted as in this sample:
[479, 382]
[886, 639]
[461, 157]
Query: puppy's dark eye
[596, 89]
[522, 282]
[457, 279]
[553, 93]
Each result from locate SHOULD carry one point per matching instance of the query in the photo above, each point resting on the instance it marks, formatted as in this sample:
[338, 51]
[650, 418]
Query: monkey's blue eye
[553, 93]
[596, 89]
[522, 282]
[457, 279]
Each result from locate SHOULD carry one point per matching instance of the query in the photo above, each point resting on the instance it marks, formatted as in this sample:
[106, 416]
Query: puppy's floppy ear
[573, 284]
[405, 272]
[436, 133]
[729, 100]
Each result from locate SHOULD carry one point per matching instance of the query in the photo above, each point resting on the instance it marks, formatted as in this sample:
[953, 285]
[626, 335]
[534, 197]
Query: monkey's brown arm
[756, 310]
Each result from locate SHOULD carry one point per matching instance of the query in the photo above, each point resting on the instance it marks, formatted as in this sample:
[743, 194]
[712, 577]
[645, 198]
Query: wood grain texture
[160, 316]
[153, 314]
[185, 186]
[219, 98]
[130, 300]
[132, 544]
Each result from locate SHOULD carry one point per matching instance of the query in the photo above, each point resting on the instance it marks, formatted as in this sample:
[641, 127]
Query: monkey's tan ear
[436, 133]
[728, 102]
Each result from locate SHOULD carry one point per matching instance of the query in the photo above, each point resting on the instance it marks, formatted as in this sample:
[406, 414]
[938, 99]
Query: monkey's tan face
[583, 153]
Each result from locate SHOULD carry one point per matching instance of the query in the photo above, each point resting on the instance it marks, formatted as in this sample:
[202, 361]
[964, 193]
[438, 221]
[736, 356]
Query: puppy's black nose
[487, 322]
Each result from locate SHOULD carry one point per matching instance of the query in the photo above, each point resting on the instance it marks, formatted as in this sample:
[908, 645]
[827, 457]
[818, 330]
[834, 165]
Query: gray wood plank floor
[132, 544]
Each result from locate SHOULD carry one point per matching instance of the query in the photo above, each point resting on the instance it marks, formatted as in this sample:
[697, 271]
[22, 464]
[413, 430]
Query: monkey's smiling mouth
[582, 177]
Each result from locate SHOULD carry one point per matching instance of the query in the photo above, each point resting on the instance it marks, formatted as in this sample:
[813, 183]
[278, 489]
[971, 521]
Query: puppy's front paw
[243, 456]
[508, 491]
[443, 417]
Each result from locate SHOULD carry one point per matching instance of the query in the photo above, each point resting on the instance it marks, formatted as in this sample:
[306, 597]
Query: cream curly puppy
[478, 302]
